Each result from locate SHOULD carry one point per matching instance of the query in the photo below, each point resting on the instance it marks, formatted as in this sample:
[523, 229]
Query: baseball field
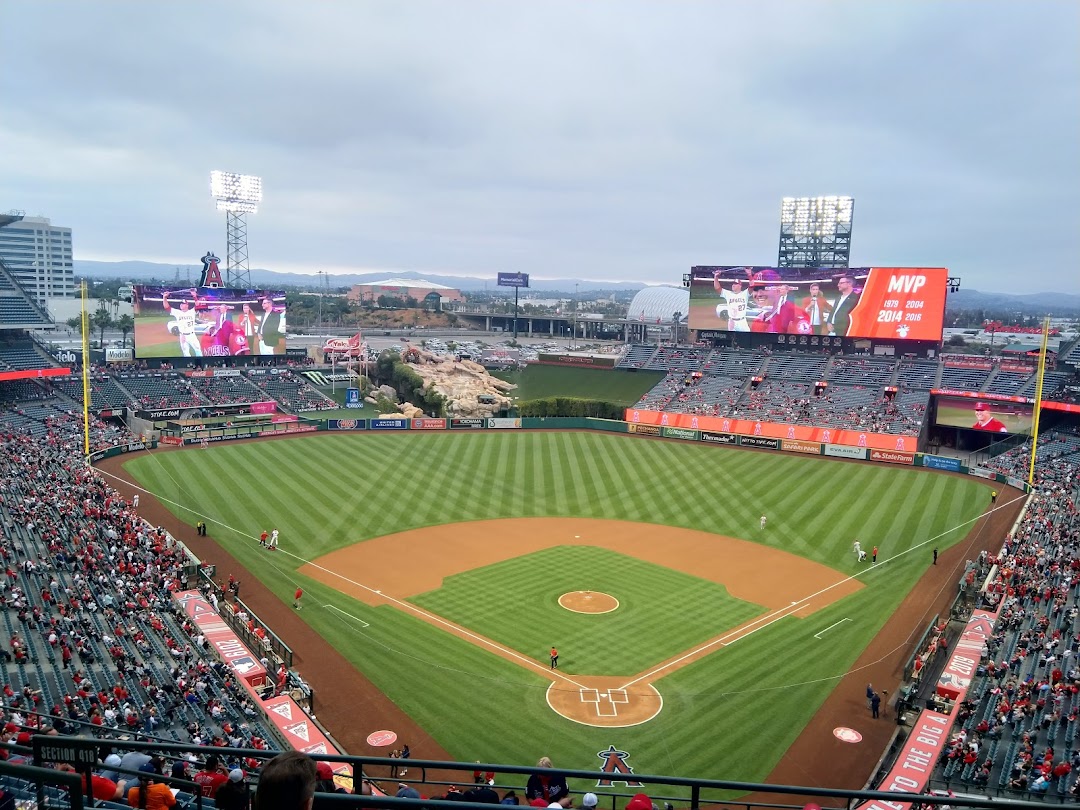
[444, 566]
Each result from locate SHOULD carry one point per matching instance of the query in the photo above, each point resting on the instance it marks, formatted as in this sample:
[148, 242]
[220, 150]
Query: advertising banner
[644, 430]
[681, 433]
[980, 472]
[760, 441]
[119, 355]
[955, 679]
[428, 424]
[941, 463]
[955, 392]
[719, 438]
[883, 303]
[797, 446]
[467, 423]
[291, 428]
[388, 423]
[222, 638]
[303, 734]
[512, 280]
[503, 422]
[264, 407]
[892, 457]
[34, 373]
[576, 360]
[346, 424]
[774, 430]
[352, 398]
[842, 451]
[1015, 482]
[920, 752]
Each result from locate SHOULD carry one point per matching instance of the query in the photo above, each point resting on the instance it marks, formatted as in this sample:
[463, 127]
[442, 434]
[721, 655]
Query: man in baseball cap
[589, 800]
[984, 420]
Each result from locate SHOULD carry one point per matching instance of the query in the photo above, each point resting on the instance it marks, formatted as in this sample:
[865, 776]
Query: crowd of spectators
[1017, 730]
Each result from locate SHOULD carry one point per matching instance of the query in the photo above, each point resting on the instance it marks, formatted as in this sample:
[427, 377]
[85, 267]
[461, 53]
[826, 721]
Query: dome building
[656, 305]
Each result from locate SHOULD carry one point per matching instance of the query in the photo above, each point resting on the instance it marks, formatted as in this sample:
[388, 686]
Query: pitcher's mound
[588, 602]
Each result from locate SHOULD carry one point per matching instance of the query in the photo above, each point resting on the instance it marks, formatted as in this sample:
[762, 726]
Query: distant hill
[1045, 303]
[148, 271]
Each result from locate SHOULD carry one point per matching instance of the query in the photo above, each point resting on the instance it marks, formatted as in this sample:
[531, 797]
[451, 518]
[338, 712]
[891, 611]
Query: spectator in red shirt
[211, 777]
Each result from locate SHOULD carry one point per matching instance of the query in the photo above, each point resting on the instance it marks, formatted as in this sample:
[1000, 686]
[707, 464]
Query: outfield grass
[672, 609]
[730, 715]
[537, 381]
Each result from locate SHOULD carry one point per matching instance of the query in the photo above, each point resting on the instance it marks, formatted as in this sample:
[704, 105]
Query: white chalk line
[830, 627]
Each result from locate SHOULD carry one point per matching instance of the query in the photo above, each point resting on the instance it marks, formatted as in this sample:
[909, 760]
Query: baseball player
[273, 541]
[984, 420]
[860, 555]
[736, 301]
[187, 323]
[764, 520]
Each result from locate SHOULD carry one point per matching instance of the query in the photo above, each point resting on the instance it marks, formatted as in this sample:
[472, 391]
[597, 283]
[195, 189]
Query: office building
[38, 255]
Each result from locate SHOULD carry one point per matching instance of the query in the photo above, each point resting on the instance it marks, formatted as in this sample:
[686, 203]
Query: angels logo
[300, 730]
[283, 709]
[900, 444]
[791, 432]
[757, 428]
[862, 440]
[727, 425]
[637, 416]
[664, 419]
[826, 436]
[694, 423]
[211, 274]
[615, 763]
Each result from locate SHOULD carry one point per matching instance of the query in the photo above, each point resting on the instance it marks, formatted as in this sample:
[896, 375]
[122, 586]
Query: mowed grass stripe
[719, 490]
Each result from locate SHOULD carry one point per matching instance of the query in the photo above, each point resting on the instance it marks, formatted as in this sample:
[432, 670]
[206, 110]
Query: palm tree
[126, 324]
[101, 320]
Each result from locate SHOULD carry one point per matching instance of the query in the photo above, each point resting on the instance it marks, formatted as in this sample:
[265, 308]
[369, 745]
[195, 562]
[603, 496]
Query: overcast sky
[617, 140]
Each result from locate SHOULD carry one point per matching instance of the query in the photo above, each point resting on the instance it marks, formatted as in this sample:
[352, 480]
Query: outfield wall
[213, 434]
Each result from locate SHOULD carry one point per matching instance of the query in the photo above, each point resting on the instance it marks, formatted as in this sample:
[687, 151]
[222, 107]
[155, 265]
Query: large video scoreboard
[882, 303]
[174, 322]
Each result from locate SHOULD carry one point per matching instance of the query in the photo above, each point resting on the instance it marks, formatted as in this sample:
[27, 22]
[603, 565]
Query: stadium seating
[668, 358]
[21, 354]
[225, 390]
[1020, 717]
[1006, 382]
[160, 390]
[963, 379]
[794, 366]
[867, 371]
[291, 391]
[918, 374]
[734, 362]
[637, 356]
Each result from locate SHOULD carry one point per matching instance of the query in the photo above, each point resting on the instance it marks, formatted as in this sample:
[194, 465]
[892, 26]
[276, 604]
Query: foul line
[429, 617]
[345, 613]
[726, 640]
[769, 618]
[830, 627]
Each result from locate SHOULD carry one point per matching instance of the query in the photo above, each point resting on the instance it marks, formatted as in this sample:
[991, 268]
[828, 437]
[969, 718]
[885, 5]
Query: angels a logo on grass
[615, 763]
[300, 730]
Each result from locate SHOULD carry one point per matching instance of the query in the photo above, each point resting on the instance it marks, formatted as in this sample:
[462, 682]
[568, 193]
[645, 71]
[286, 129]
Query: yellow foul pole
[85, 371]
[1038, 399]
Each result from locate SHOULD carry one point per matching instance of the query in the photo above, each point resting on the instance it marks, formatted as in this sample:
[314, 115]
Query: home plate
[603, 694]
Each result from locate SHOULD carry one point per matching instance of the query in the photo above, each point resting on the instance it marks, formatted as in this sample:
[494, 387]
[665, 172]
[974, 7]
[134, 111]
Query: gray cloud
[608, 139]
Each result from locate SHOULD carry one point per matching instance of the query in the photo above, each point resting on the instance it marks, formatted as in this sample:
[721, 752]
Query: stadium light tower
[237, 195]
[815, 231]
